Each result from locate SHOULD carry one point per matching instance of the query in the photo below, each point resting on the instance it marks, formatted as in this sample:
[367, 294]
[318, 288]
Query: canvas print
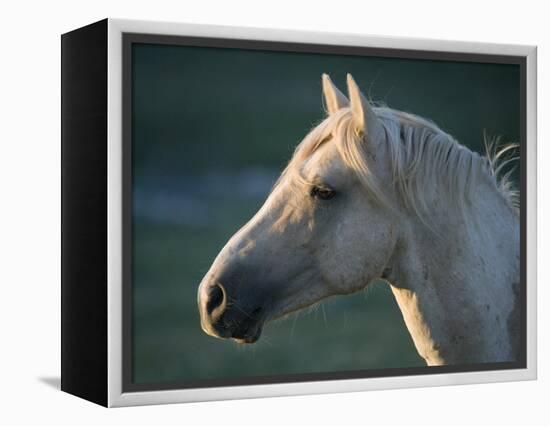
[305, 215]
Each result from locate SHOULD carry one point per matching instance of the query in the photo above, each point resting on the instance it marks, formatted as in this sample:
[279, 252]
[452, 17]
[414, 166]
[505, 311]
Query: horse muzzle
[223, 317]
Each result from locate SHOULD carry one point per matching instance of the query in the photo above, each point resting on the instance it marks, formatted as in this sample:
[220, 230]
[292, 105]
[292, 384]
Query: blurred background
[212, 129]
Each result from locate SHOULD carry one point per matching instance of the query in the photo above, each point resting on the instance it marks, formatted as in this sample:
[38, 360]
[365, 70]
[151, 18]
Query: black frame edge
[84, 212]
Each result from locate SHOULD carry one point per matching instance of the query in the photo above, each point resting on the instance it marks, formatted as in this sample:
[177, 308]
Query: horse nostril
[216, 299]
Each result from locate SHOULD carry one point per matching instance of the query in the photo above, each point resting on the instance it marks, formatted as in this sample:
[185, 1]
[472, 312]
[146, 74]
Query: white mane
[424, 158]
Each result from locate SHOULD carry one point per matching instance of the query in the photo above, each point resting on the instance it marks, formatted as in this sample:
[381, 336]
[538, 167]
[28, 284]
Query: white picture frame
[115, 80]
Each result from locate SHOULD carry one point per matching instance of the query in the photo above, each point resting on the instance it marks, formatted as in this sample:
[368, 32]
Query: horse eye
[322, 193]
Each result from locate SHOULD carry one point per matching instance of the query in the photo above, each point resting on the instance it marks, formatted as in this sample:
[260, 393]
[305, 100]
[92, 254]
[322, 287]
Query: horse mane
[423, 159]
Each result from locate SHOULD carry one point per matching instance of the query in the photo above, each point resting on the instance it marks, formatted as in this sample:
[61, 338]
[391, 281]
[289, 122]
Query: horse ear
[363, 114]
[334, 99]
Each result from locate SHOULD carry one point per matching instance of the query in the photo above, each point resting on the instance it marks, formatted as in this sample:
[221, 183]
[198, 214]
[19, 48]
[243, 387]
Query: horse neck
[458, 291]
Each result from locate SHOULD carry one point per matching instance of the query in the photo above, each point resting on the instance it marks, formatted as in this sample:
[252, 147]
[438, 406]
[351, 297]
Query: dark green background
[211, 130]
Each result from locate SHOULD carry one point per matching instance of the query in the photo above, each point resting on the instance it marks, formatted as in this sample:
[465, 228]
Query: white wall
[29, 233]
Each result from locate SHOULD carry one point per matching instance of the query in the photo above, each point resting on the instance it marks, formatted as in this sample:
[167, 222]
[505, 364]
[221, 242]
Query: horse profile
[375, 193]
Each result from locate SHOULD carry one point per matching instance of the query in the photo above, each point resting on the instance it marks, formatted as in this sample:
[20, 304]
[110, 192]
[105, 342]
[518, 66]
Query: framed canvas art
[251, 212]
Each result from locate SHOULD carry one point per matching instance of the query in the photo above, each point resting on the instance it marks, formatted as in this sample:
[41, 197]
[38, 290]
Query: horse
[373, 193]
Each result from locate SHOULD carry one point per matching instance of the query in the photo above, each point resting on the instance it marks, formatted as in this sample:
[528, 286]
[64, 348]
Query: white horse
[373, 193]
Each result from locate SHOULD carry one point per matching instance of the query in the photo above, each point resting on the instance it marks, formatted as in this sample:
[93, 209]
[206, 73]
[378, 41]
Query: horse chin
[251, 336]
